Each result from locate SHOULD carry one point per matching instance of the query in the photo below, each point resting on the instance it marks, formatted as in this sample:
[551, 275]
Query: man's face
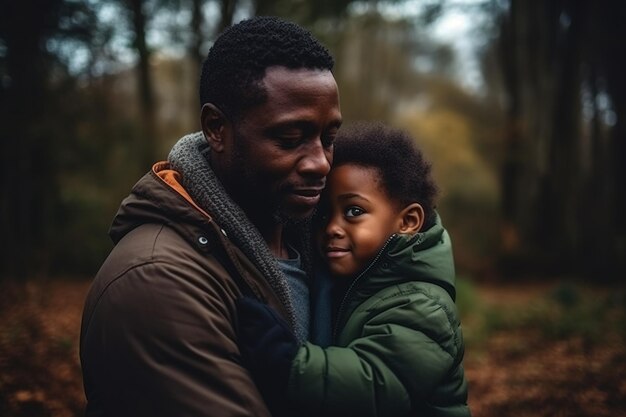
[282, 150]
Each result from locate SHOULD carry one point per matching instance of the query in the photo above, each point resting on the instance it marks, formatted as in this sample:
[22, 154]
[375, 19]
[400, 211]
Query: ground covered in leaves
[532, 349]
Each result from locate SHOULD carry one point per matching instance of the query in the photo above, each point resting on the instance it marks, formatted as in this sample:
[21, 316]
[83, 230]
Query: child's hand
[268, 348]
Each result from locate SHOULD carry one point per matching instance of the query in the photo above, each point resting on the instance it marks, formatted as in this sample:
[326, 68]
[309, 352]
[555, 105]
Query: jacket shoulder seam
[435, 300]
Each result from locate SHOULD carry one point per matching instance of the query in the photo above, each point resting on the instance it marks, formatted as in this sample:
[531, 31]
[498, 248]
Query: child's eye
[354, 211]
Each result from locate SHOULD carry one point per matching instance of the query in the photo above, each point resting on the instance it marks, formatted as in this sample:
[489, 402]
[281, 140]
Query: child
[397, 343]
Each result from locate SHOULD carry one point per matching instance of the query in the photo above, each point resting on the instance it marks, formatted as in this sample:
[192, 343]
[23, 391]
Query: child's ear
[411, 219]
[214, 123]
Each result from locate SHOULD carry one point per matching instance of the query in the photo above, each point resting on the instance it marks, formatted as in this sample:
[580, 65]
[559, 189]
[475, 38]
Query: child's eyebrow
[348, 196]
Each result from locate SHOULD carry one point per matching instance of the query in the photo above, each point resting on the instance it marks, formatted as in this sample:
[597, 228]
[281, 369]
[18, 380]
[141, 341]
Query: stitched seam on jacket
[149, 260]
[436, 300]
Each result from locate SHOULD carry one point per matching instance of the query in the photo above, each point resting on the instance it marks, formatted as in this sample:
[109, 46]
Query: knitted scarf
[190, 157]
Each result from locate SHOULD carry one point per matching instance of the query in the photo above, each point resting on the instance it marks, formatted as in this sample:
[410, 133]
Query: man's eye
[328, 137]
[328, 140]
[290, 139]
[291, 135]
[287, 137]
[354, 211]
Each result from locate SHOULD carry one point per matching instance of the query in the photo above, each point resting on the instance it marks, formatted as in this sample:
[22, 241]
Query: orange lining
[172, 179]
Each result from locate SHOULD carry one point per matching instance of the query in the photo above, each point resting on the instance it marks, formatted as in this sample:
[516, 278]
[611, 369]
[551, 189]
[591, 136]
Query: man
[225, 216]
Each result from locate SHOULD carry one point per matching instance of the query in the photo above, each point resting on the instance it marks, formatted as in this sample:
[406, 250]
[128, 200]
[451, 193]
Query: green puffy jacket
[398, 346]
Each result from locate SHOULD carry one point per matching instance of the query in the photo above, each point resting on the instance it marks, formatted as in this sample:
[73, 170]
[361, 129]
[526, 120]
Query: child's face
[358, 218]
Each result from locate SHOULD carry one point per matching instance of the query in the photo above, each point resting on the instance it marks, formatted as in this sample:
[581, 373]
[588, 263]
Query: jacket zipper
[352, 285]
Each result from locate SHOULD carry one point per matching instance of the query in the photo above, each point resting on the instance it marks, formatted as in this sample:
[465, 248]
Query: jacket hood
[158, 197]
[425, 256]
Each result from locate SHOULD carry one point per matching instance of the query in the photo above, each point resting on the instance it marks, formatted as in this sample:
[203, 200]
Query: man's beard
[286, 220]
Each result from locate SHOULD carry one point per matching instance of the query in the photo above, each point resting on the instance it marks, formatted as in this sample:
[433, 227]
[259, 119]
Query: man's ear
[214, 124]
[411, 219]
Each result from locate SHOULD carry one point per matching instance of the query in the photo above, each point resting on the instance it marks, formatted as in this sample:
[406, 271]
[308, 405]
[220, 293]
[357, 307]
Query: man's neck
[271, 230]
[274, 237]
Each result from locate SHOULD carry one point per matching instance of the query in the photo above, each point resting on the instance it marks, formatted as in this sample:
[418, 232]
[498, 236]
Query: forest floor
[531, 349]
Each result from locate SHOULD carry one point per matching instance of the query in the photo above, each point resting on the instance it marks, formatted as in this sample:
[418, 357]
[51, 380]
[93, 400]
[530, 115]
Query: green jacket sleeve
[405, 346]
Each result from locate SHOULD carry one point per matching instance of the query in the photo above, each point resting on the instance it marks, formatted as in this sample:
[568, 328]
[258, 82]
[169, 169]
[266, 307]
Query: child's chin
[339, 272]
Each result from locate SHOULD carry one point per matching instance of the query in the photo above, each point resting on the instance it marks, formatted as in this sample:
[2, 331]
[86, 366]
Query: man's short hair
[404, 173]
[237, 61]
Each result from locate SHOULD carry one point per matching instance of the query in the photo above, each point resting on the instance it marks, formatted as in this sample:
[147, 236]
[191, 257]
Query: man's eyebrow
[305, 123]
[291, 124]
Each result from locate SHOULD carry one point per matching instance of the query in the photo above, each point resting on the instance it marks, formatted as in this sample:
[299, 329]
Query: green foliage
[63, 345]
[565, 312]
[467, 299]
[86, 218]
[472, 312]
[451, 134]
[478, 319]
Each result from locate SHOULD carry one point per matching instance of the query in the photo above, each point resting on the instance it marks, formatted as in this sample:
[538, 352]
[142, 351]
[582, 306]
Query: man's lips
[307, 196]
[308, 192]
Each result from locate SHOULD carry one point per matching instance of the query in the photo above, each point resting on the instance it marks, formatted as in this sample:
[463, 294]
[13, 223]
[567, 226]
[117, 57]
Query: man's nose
[317, 159]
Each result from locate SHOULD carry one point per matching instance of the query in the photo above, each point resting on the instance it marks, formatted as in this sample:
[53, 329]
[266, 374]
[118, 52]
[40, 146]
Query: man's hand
[268, 348]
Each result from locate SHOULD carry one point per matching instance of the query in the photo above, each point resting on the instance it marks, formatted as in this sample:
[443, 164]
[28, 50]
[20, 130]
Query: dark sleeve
[160, 342]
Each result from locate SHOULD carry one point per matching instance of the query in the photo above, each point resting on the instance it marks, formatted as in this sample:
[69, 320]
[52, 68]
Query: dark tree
[32, 82]
[561, 173]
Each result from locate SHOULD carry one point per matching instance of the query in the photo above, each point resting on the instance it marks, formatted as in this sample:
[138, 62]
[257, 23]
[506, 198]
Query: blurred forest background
[521, 106]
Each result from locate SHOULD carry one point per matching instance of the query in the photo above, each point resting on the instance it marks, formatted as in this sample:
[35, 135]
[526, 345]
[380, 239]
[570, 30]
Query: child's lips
[335, 252]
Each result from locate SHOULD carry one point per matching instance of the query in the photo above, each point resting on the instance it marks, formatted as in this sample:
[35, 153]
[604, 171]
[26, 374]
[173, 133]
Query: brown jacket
[158, 336]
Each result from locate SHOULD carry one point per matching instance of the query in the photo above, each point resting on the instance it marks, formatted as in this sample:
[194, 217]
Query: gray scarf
[190, 157]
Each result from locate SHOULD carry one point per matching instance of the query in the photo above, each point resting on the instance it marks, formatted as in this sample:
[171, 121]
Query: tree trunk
[563, 173]
[227, 8]
[195, 48]
[148, 140]
[29, 179]
[540, 180]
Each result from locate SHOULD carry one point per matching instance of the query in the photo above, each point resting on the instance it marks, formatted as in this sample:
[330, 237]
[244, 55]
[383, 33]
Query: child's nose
[333, 229]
